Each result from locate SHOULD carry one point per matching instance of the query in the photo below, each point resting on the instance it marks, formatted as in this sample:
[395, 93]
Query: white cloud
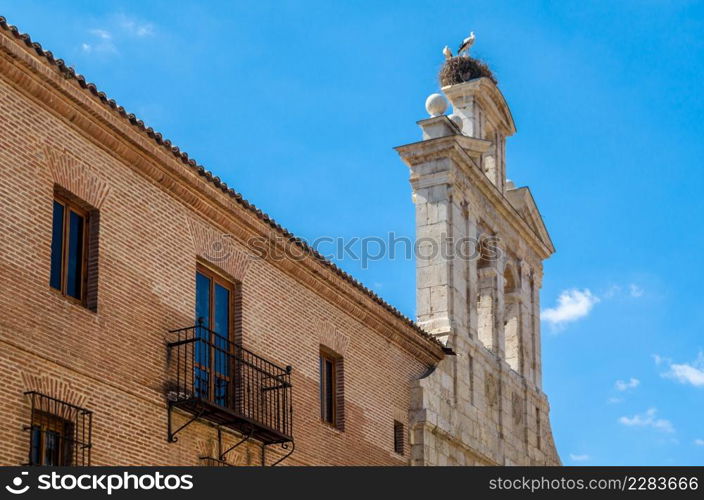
[615, 400]
[685, 373]
[135, 28]
[579, 458]
[101, 42]
[648, 419]
[699, 442]
[660, 359]
[635, 291]
[624, 386]
[102, 34]
[571, 305]
[116, 31]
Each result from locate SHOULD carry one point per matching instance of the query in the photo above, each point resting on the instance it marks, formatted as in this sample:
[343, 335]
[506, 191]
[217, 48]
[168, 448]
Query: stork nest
[460, 69]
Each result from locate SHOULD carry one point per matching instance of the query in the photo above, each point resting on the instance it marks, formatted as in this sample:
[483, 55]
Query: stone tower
[481, 242]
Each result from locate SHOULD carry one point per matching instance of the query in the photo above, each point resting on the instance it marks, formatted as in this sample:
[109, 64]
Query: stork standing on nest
[466, 45]
[447, 52]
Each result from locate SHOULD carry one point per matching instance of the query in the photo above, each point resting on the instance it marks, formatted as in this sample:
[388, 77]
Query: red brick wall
[113, 362]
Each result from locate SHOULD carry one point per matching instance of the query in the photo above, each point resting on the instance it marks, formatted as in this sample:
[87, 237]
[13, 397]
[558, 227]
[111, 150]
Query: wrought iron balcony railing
[218, 380]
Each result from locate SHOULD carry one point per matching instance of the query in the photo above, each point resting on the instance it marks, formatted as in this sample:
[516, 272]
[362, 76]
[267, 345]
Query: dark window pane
[202, 346]
[51, 448]
[221, 327]
[329, 397]
[203, 299]
[57, 244]
[222, 389]
[222, 311]
[74, 264]
[35, 457]
[68, 445]
[327, 390]
[322, 389]
[201, 383]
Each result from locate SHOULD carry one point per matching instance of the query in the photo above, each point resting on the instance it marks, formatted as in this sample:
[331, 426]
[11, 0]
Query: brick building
[152, 316]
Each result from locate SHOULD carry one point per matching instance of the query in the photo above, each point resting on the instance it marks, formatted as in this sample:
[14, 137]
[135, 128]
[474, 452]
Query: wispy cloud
[659, 360]
[102, 34]
[648, 419]
[115, 31]
[135, 27]
[684, 373]
[100, 42]
[572, 305]
[614, 400]
[579, 458]
[631, 290]
[635, 291]
[699, 442]
[622, 385]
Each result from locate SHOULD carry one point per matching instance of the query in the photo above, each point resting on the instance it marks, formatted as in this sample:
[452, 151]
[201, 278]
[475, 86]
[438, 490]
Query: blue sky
[298, 105]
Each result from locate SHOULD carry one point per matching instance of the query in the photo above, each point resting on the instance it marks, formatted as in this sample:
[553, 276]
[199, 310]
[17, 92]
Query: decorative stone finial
[435, 105]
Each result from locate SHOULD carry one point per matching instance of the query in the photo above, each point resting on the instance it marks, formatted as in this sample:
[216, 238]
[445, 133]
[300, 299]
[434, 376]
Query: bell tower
[480, 244]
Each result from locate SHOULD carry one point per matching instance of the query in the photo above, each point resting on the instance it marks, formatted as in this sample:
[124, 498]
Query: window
[215, 308]
[74, 251]
[331, 389]
[59, 432]
[398, 437]
[327, 389]
[52, 441]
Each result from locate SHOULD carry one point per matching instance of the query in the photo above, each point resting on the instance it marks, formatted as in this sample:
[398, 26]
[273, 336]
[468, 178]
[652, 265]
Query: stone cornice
[452, 147]
[198, 191]
[491, 99]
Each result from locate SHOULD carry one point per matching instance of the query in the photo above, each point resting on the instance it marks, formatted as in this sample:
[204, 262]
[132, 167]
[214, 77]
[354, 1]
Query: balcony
[217, 380]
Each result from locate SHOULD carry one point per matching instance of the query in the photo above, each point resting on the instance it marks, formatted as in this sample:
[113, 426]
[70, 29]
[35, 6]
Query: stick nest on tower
[461, 69]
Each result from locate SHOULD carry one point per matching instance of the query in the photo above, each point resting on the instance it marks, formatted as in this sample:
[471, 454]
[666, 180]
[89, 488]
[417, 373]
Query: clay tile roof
[70, 73]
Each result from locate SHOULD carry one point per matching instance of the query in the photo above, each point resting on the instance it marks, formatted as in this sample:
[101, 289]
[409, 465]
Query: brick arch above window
[330, 337]
[219, 249]
[75, 176]
[53, 387]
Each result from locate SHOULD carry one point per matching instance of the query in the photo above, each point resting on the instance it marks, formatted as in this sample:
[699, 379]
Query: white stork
[466, 44]
[447, 52]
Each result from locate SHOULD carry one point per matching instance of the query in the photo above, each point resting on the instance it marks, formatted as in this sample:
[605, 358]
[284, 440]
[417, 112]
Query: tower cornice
[464, 152]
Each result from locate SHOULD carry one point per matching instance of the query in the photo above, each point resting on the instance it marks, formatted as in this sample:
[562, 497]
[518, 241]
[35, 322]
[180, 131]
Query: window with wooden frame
[52, 442]
[332, 389]
[74, 250]
[59, 432]
[398, 437]
[218, 319]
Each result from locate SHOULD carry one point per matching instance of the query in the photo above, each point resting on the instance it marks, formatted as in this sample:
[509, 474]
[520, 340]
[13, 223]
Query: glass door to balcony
[213, 348]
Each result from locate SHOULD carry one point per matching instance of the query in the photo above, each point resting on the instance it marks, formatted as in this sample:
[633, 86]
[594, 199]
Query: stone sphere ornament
[435, 105]
[457, 120]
